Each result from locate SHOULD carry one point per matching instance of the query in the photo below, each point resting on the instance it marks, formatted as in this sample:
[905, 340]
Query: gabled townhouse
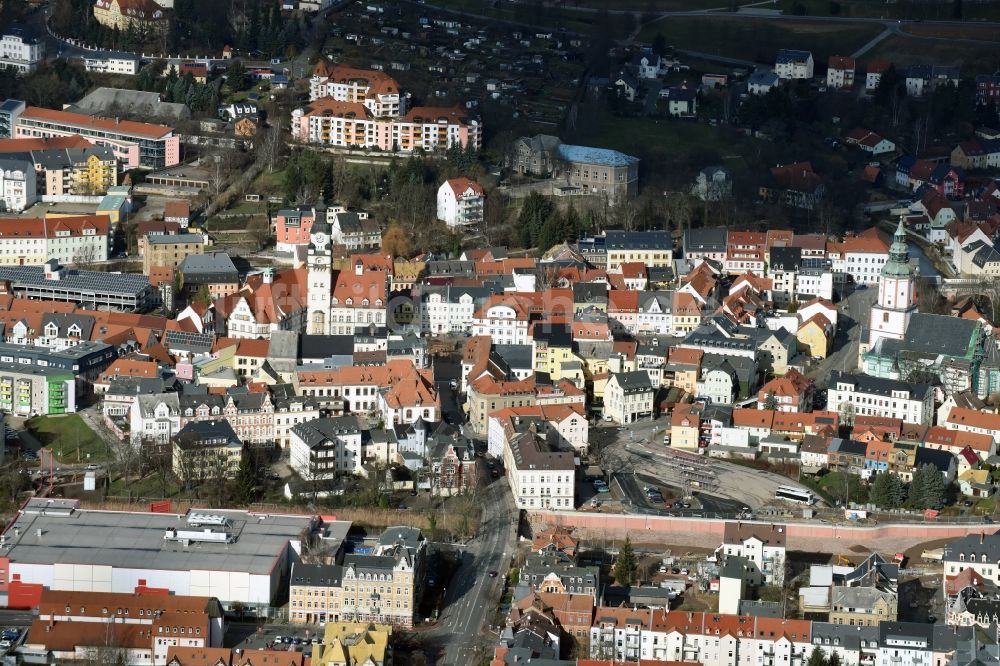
[873, 74]
[706, 243]
[746, 251]
[840, 73]
[266, 302]
[654, 313]
[964, 419]
[325, 448]
[616, 633]
[921, 80]
[355, 230]
[628, 396]
[762, 81]
[460, 202]
[713, 183]
[791, 392]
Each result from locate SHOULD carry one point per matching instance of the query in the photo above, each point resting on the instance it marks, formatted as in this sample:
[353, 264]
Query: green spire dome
[899, 255]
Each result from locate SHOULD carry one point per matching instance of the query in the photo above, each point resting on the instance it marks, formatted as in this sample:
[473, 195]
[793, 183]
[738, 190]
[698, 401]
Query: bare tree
[269, 147]
[677, 206]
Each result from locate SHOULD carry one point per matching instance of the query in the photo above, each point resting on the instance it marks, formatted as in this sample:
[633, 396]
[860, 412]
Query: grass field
[911, 50]
[70, 438]
[757, 39]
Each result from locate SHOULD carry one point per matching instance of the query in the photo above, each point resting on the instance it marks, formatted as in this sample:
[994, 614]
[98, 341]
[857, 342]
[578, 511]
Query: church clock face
[320, 239]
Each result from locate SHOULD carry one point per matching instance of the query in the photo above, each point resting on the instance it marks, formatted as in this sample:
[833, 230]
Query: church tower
[320, 271]
[897, 297]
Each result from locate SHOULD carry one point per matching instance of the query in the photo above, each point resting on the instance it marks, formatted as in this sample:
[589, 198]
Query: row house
[746, 251]
[449, 309]
[359, 390]
[840, 73]
[964, 419]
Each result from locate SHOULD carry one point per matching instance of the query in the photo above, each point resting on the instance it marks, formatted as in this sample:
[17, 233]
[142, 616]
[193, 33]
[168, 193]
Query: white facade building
[628, 396]
[539, 477]
[112, 63]
[460, 202]
[324, 448]
[790, 64]
[17, 184]
[20, 50]
[763, 545]
[897, 294]
[887, 398]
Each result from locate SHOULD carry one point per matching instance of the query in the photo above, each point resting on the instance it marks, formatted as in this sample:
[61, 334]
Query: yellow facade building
[139, 15]
[354, 644]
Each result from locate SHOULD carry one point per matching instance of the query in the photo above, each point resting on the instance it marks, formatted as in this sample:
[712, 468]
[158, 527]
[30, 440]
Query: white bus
[789, 494]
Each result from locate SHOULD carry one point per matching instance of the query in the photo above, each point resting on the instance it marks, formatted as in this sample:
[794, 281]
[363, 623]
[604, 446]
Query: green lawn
[70, 438]
[758, 39]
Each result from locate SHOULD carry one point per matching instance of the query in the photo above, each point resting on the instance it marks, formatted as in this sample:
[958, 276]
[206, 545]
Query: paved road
[853, 316]
[472, 595]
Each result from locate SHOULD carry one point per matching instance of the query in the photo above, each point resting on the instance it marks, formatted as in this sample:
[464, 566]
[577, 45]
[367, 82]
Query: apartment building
[762, 545]
[540, 476]
[141, 16]
[36, 390]
[568, 422]
[600, 171]
[840, 73]
[862, 395]
[383, 587]
[326, 448]
[68, 240]
[20, 50]
[171, 250]
[112, 63]
[204, 451]
[792, 64]
[460, 202]
[18, 184]
[376, 91]
[628, 396]
[650, 248]
[329, 122]
[135, 144]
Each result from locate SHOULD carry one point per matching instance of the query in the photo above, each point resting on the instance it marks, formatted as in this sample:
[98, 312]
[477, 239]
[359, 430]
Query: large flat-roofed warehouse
[235, 556]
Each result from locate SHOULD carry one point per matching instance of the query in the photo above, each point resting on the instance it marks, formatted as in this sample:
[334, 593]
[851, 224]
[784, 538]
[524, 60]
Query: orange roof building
[135, 144]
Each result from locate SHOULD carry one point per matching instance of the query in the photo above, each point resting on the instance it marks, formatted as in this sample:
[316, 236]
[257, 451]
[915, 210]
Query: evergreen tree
[770, 402]
[834, 660]
[626, 567]
[246, 479]
[927, 488]
[887, 491]
[817, 658]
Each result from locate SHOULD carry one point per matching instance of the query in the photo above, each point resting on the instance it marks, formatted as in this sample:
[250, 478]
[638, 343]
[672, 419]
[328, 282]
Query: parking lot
[294, 638]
